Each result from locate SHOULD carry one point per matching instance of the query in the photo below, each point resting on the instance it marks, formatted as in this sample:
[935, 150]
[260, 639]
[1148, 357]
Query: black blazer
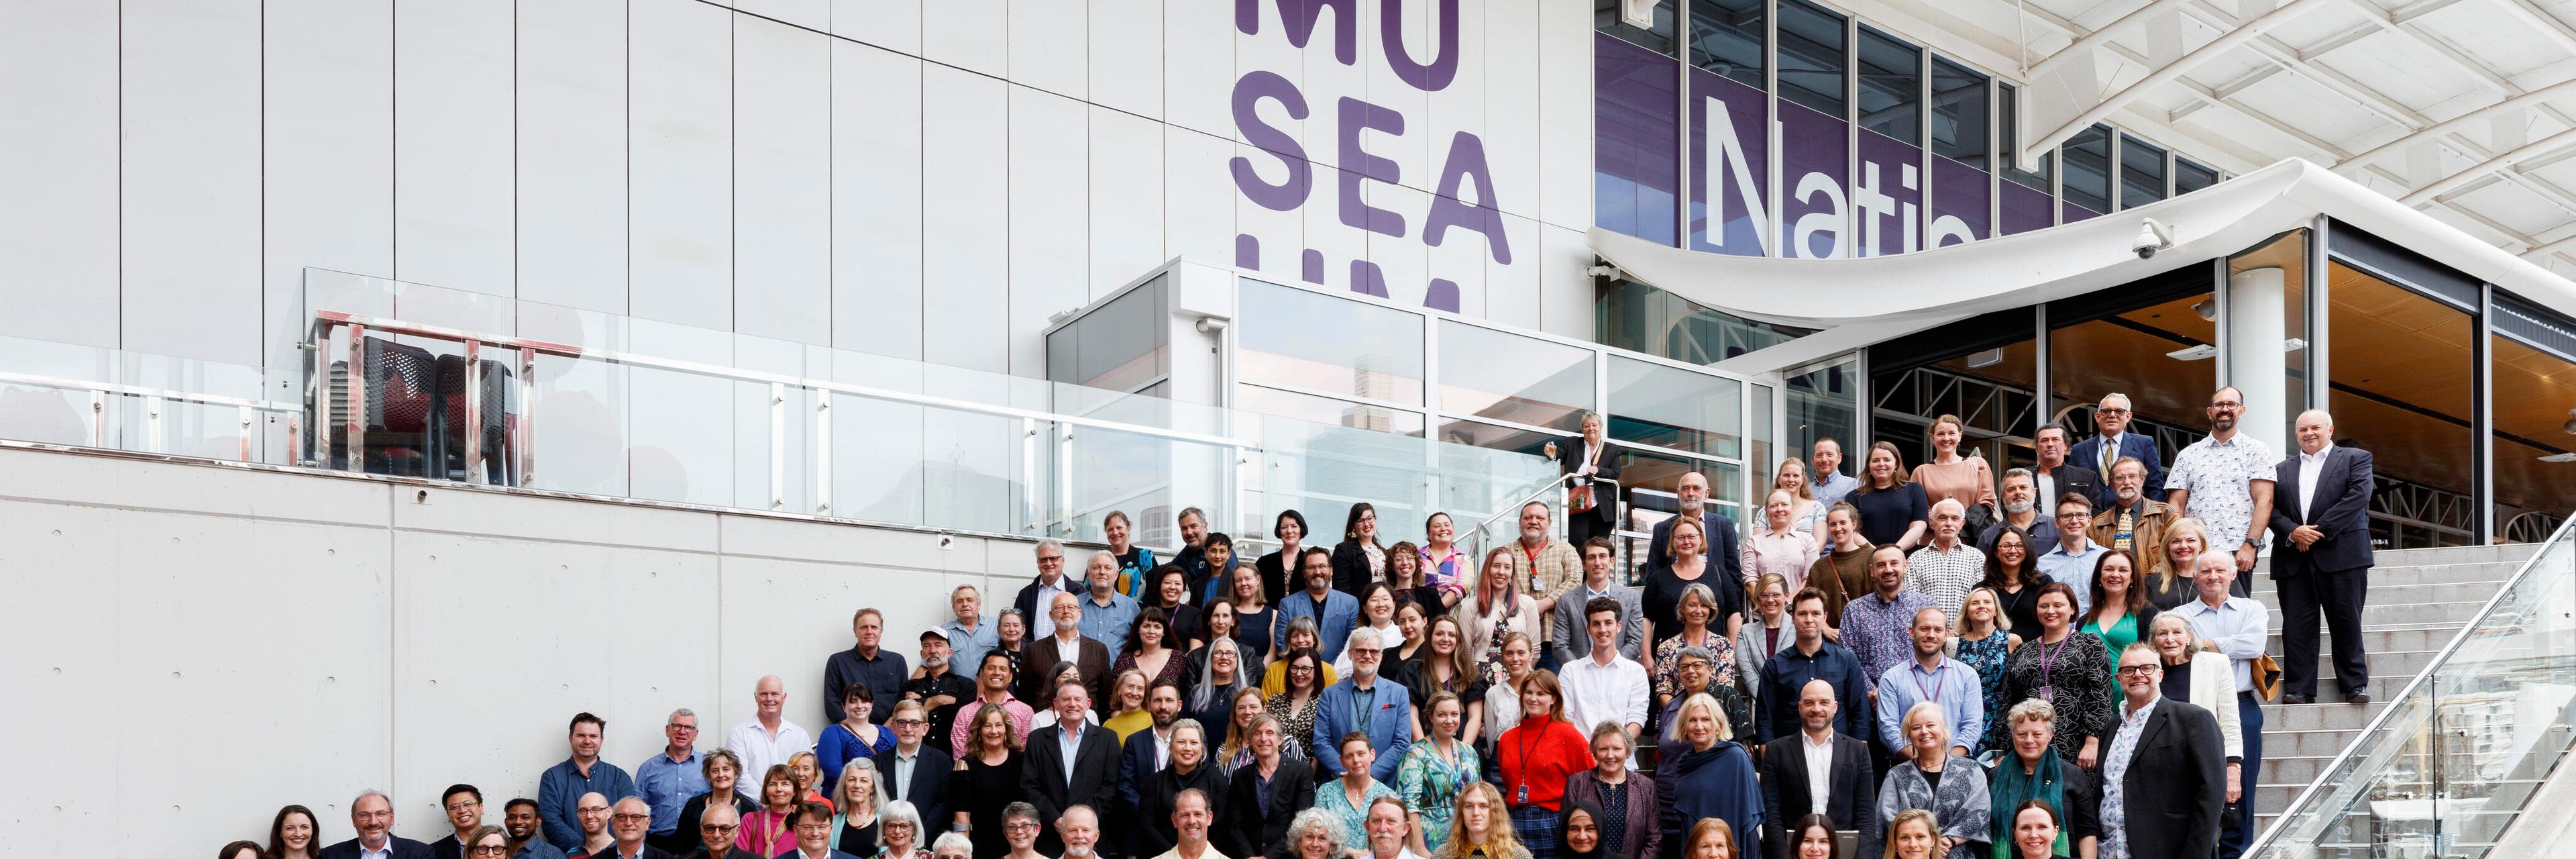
[1570, 457]
[400, 847]
[1721, 544]
[2175, 784]
[1094, 768]
[2071, 478]
[1350, 569]
[1248, 825]
[929, 791]
[2341, 509]
[1037, 662]
[1136, 763]
[1852, 800]
[650, 852]
[1274, 573]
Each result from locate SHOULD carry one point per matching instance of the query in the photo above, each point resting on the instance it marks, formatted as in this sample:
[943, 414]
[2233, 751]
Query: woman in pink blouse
[1949, 475]
[1782, 548]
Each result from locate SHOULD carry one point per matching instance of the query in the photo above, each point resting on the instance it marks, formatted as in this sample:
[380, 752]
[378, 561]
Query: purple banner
[1887, 196]
[1730, 166]
[2025, 209]
[1815, 154]
[1636, 150]
[1960, 196]
[2075, 213]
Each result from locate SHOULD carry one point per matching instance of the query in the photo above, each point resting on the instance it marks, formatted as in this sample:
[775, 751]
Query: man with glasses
[716, 830]
[915, 771]
[814, 833]
[1362, 702]
[560, 788]
[1035, 598]
[2115, 442]
[2161, 782]
[2226, 481]
[519, 819]
[464, 806]
[628, 822]
[1020, 829]
[2071, 560]
[665, 781]
[372, 815]
[592, 812]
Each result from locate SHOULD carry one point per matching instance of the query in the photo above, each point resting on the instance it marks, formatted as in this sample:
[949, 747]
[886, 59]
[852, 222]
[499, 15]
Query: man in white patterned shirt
[2226, 481]
[1946, 568]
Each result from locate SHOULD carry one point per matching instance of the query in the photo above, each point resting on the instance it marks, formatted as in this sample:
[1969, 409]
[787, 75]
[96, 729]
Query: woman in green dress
[1433, 771]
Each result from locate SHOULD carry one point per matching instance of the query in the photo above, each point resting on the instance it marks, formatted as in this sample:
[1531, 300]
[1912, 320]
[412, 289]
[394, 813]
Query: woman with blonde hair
[1481, 830]
[1494, 609]
[1985, 642]
[2201, 675]
[1713, 779]
[1913, 834]
[1711, 838]
[1127, 705]
[1928, 775]
[2168, 580]
[1791, 475]
[1689, 565]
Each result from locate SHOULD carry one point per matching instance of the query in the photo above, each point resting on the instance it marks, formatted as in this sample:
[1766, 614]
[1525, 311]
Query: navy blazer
[398, 846]
[2341, 509]
[2088, 454]
[1391, 731]
[929, 790]
[1341, 613]
[1136, 761]
[1721, 542]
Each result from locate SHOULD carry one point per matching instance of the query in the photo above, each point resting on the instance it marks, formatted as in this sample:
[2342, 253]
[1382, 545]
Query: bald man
[767, 738]
[1816, 771]
[2321, 557]
[630, 820]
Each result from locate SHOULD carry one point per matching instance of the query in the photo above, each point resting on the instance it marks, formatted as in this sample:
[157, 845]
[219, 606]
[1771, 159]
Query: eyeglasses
[490, 850]
[2227, 405]
[680, 727]
[631, 818]
[1020, 824]
[717, 827]
[2136, 670]
[909, 723]
[2111, 411]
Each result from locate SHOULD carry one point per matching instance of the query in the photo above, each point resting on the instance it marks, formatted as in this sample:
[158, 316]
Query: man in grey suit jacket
[1568, 639]
[2321, 557]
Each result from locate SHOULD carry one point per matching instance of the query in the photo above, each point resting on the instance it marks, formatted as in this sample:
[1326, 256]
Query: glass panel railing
[86, 396]
[2457, 755]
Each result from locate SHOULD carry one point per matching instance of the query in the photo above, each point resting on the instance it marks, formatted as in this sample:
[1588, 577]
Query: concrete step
[2513, 552]
[2397, 614]
[2282, 718]
[2389, 639]
[2385, 576]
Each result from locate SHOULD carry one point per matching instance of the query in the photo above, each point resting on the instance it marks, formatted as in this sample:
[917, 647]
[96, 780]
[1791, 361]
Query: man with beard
[2021, 510]
[2133, 521]
[519, 819]
[1079, 828]
[2226, 481]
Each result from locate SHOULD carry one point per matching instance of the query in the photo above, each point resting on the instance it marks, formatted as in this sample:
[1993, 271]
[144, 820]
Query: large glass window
[1823, 403]
[1891, 86]
[2142, 172]
[1726, 39]
[1508, 377]
[1660, 38]
[1958, 113]
[1323, 344]
[2535, 457]
[1811, 56]
[1326, 410]
[1641, 318]
[1659, 406]
[2189, 176]
[2160, 348]
[2088, 170]
[2403, 377]
[2008, 136]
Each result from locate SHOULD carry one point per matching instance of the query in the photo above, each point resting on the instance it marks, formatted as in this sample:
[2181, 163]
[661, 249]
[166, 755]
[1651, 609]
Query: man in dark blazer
[2099, 452]
[1589, 457]
[1250, 826]
[1390, 712]
[1039, 657]
[1693, 492]
[2058, 473]
[1053, 782]
[927, 790]
[2163, 764]
[2321, 557]
[1038, 596]
[372, 815]
[1789, 790]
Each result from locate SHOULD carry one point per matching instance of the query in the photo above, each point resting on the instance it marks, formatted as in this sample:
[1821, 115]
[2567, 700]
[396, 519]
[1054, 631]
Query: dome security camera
[2152, 237]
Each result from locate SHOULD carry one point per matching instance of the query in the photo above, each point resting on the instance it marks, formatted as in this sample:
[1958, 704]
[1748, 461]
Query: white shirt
[2047, 499]
[1597, 693]
[385, 852]
[2311, 466]
[1390, 638]
[1210, 853]
[1820, 770]
[759, 750]
[1043, 625]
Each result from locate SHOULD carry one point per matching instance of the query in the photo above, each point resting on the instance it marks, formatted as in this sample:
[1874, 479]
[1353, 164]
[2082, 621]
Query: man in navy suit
[916, 771]
[2099, 452]
[1069, 763]
[1385, 704]
[2321, 558]
[372, 815]
[1693, 492]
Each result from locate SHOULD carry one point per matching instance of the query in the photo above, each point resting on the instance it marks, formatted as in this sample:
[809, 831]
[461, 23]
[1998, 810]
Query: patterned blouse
[1429, 784]
[1299, 723]
[1334, 798]
[1175, 664]
[1668, 655]
[1987, 655]
[2075, 676]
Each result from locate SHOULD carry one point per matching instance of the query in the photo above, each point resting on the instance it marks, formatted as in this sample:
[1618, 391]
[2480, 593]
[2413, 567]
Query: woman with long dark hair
[294, 834]
[1149, 649]
[1359, 559]
[2121, 612]
[1445, 668]
[986, 780]
[1291, 530]
[2012, 572]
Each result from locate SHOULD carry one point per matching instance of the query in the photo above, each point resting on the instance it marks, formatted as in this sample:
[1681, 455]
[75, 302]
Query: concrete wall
[928, 179]
[186, 648]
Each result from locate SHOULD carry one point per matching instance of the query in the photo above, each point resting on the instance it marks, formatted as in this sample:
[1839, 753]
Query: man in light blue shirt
[970, 634]
[2071, 560]
[666, 781]
[2238, 626]
[1936, 678]
[1825, 472]
[1107, 615]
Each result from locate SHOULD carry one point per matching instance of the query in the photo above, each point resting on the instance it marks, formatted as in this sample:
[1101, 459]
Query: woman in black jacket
[1252, 825]
[1359, 559]
[1291, 530]
[1161, 791]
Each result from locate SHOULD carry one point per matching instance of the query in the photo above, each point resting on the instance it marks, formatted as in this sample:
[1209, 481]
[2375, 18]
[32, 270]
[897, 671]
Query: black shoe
[2293, 698]
[2356, 698]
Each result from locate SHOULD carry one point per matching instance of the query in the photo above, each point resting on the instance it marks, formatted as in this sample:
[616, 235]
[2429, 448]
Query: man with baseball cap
[939, 688]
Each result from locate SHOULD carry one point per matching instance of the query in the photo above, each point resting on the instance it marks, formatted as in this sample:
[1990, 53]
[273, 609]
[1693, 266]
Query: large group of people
[1927, 662]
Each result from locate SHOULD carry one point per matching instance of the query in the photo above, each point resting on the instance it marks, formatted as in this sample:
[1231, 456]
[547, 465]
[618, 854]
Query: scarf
[2010, 788]
[1600, 822]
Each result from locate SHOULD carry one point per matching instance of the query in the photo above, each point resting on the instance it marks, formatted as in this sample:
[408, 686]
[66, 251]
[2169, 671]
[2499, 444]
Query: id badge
[1520, 796]
[2048, 693]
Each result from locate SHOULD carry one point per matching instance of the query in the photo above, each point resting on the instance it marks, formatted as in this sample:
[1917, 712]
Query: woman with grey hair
[1211, 699]
[953, 845]
[1953, 788]
[1158, 793]
[1314, 834]
[899, 831]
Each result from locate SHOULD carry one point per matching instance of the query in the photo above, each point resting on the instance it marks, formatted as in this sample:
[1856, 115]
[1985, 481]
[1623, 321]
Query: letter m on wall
[1298, 18]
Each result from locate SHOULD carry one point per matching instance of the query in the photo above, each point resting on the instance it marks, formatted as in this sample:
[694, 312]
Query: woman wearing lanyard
[1536, 756]
[2068, 669]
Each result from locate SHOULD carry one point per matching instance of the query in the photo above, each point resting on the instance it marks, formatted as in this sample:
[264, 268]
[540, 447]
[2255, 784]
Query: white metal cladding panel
[453, 157]
[1565, 292]
[1122, 78]
[1198, 40]
[813, 15]
[572, 153]
[965, 217]
[970, 34]
[190, 187]
[1410, 149]
[328, 160]
[1281, 236]
[782, 182]
[1049, 41]
[680, 151]
[1198, 197]
[1324, 82]
[1049, 220]
[1126, 198]
[1512, 294]
[1510, 129]
[876, 201]
[58, 171]
[1458, 107]
[894, 25]
[1462, 257]
[1340, 243]
[1565, 115]
[1403, 259]
[1268, 51]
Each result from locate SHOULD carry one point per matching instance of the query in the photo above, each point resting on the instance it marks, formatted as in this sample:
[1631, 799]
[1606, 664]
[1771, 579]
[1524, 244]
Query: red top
[1539, 753]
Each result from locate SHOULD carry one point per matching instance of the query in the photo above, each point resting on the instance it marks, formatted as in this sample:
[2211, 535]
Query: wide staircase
[2466, 745]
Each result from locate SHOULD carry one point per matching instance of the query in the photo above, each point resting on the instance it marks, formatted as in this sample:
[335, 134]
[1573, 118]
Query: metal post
[777, 446]
[473, 409]
[98, 418]
[1029, 479]
[823, 453]
[152, 424]
[527, 475]
[248, 417]
[356, 401]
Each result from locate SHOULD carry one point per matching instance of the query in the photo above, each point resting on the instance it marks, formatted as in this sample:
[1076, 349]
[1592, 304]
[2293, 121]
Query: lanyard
[2048, 658]
[1940, 683]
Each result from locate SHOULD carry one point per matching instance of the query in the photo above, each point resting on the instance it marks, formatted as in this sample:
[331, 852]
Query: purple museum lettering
[1466, 164]
[1367, 279]
[1359, 116]
[1444, 64]
[1297, 17]
[1247, 251]
[1248, 93]
[1443, 295]
[1310, 266]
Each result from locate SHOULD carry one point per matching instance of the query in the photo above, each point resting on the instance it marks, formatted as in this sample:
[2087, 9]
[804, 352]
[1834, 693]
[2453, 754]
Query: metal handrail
[1513, 509]
[152, 399]
[2314, 791]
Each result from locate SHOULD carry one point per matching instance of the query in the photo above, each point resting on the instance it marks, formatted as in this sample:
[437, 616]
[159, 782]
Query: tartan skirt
[1536, 828]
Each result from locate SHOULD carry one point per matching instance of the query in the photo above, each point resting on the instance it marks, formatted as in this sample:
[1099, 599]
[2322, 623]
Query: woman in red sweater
[1535, 757]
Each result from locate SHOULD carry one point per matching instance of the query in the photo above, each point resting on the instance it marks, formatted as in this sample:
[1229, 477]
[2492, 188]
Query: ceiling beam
[2228, 39]
[2446, 184]
[2087, 41]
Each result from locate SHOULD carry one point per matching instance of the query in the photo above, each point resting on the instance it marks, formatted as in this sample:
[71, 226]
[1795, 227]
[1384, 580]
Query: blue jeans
[2232, 842]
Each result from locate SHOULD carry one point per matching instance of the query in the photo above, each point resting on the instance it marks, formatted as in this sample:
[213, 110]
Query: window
[2142, 172]
[1492, 374]
[2008, 136]
[1660, 38]
[1958, 113]
[2189, 177]
[1329, 345]
[2088, 169]
[1660, 406]
[1726, 39]
[1811, 56]
[1891, 87]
